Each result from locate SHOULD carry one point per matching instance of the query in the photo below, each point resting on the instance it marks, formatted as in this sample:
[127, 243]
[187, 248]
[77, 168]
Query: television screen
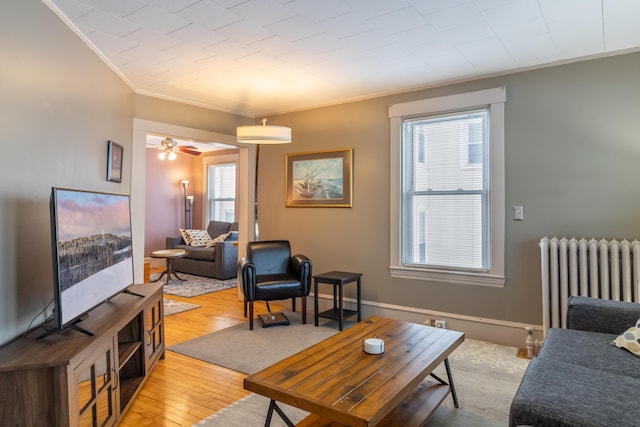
[92, 256]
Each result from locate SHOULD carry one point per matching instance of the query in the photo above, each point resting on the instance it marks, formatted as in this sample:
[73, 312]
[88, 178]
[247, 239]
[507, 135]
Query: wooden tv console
[72, 379]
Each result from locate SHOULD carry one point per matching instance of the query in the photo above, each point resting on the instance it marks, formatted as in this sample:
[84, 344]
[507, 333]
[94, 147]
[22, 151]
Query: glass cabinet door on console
[154, 339]
[95, 381]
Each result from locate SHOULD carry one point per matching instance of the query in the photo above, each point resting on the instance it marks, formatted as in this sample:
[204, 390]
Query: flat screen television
[92, 256]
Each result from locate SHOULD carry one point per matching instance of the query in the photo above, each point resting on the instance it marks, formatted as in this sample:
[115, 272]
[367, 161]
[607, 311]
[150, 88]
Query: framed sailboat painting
[320, 179]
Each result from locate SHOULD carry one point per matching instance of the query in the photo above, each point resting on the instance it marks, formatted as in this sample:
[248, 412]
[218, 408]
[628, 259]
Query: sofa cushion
[220, 238]
[197, 238]
[590, 350]
[629, 339]
[556, 393]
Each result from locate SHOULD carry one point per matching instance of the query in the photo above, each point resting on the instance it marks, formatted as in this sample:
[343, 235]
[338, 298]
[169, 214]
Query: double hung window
[221, 191]
[447, 176]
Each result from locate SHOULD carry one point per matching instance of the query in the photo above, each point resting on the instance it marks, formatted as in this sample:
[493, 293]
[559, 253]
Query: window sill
[448, 276]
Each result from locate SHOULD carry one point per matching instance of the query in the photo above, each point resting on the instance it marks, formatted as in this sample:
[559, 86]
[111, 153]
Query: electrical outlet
[442, 324]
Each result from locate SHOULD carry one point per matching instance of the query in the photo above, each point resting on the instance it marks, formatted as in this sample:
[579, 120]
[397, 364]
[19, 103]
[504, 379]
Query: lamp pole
[185, 185]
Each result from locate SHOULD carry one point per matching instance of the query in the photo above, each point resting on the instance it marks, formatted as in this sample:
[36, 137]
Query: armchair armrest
[301, 266]
[172, 242]
[247, 278]
[596, 315]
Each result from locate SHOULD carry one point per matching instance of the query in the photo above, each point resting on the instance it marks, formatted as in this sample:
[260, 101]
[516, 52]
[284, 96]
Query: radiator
[605, 269]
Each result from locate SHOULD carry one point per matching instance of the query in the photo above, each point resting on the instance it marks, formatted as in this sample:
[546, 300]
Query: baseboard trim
[485, 329]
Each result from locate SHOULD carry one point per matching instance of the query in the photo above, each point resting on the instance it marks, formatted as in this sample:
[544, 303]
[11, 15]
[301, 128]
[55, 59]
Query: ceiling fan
[170, 147]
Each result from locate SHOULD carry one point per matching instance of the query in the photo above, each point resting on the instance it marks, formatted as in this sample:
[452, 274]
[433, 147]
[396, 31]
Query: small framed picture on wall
[114, 162]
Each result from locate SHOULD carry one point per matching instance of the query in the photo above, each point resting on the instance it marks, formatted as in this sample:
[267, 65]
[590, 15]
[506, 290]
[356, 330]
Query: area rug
[174, 307]
[195, 285]
[486, 377]
[246, 351]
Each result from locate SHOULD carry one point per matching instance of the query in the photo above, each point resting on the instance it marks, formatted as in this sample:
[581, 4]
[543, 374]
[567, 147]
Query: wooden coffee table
[342, 385]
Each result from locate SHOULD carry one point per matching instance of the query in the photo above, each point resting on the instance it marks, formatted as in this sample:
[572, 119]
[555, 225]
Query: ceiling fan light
[162, 155]
[172, 155]
[263, 134]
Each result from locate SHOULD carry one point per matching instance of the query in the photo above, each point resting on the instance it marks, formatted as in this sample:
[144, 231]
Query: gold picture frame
[320, 179]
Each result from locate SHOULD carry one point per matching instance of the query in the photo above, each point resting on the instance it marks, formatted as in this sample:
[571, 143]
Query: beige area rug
[174, 307]
[486, 376]
[194, 285]
[247, 351]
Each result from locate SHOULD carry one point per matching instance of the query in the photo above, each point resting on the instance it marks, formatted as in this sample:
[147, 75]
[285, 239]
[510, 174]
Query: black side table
[337, 279]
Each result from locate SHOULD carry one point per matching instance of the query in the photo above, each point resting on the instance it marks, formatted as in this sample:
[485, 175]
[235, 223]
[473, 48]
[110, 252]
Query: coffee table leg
[274, 406]
[450, 378]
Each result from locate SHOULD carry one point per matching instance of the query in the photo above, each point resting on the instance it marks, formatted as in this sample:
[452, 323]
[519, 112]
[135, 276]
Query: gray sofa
[578, 379]
[219, 261]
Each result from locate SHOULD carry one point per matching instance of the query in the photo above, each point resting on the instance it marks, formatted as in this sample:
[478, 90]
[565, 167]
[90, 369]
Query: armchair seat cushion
[277, 287]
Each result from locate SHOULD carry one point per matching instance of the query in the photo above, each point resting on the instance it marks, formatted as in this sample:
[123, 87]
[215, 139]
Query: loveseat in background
[219, 261]
[579, 379]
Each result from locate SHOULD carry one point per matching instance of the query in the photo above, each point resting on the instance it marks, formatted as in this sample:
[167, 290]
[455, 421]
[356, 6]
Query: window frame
[494, 99]
[216, 161]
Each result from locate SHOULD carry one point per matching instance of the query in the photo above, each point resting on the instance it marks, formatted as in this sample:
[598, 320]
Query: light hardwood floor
[181, 391]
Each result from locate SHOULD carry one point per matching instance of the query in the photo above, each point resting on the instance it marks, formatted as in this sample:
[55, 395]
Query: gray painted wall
[572, 150]
[60, 105]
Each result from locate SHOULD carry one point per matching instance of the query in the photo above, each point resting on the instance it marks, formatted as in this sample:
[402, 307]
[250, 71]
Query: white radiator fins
[606, 269]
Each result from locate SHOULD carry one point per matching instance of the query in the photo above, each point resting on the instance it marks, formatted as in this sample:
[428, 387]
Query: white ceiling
[260, 57]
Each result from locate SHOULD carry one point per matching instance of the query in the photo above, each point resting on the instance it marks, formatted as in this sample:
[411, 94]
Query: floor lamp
[262, 134]
[188, 204]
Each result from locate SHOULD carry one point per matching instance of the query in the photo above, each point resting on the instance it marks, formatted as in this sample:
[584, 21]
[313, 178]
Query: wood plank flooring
[181, 391]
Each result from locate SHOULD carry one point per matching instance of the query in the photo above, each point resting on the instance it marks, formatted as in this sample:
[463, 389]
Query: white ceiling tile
[456, 17]
[315, 11]
[320, 43]
[117, 59]
[238, 54]
[417, 36]
[529, 51]
[151, 39]
[157, 19]
[483, 5]
[172, 5]
[511, 13]
[373, 8]
[116, 7]
[262, 12]
[245, 32]
[369, 39]
[488, 55]
[276, 46]
[110, 43]
[107, 23]
[399, 20]
[197, 35]
[230, 49]
[427, 7]
[208, 15]
[622, 27]
[295, 28]
[346, 25]
[470, 33]
[73, 9]
[144, 54]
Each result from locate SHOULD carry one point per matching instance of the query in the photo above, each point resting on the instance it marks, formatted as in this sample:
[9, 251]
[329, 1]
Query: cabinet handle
[149, 338]
[116, 379]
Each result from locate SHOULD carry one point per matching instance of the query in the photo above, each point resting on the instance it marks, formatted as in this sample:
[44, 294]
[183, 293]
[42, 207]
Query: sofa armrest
[597, 315]
[226, 260]
[172, 242]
